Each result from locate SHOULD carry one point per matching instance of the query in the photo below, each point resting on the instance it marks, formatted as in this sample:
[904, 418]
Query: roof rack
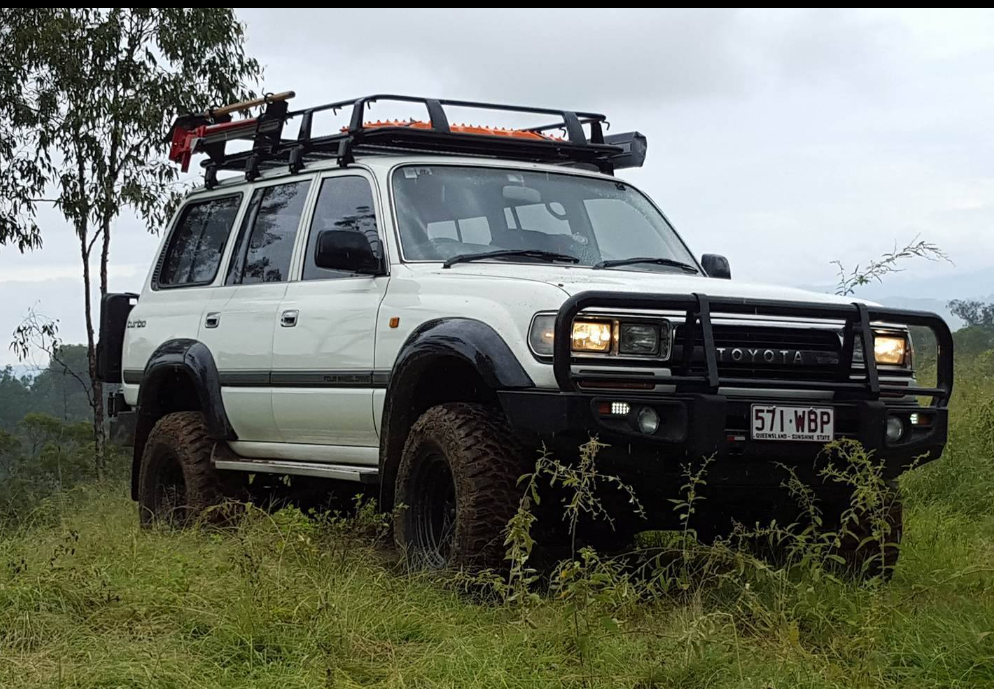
[209, 132]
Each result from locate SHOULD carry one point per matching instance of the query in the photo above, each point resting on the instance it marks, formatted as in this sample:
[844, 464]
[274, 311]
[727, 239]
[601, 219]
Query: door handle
[288, 319]
[212, 320]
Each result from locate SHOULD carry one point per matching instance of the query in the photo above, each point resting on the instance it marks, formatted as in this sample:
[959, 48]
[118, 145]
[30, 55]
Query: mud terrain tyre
[457, 479]
[866, 562]
[177, 482]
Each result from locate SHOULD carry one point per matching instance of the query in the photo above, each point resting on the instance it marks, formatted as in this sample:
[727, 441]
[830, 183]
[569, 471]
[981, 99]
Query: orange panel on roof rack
[462, 129]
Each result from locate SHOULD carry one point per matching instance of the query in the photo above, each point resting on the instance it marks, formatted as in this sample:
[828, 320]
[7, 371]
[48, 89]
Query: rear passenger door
[180, 283]
[323, 377]
[241, 316]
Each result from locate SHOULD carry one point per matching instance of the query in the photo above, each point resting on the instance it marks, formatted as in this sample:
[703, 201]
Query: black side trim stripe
[290, 379]
[321, 379]
[244, 379]
[381, 379]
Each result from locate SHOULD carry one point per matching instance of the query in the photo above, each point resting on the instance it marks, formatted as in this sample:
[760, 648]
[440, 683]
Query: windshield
[448, 211]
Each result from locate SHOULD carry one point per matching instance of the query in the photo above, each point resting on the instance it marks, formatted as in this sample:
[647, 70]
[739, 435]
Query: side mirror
[346, 250]
[716, 266]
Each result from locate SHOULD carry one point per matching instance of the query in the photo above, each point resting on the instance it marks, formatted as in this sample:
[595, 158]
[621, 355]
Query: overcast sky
[782, 139]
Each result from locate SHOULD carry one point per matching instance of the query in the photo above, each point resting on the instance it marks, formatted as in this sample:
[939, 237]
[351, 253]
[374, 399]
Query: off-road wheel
[865, 555]
[457, 480]
[177, 482]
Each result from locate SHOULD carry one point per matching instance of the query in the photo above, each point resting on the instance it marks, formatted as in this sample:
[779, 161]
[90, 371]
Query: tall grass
[281, 599]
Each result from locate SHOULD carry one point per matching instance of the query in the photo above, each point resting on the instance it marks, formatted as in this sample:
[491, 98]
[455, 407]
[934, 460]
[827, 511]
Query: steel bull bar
[697, 334]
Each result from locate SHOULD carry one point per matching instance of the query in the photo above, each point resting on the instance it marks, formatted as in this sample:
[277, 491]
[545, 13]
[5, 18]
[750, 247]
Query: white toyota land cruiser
[421, 305]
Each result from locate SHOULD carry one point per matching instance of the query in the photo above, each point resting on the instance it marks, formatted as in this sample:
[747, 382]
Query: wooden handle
[246, 104]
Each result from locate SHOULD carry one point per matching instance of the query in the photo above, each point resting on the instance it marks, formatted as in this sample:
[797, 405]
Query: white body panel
[159, 317]
[419, 294]
[343, 326]
[242, 345]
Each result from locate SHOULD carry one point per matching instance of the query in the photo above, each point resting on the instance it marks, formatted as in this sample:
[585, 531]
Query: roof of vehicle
[385, 163]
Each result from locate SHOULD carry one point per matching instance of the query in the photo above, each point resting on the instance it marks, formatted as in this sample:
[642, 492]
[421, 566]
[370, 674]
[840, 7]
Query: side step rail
[341, 472]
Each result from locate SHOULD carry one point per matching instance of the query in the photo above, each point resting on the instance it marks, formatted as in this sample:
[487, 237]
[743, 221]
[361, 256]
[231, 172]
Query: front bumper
[694, 426]
[699, 420]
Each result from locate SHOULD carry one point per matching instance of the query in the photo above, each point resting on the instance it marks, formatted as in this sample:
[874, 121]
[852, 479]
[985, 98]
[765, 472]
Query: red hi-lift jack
[192, 134]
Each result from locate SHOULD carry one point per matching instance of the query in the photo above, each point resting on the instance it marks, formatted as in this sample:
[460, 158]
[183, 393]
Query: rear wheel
[457, 479]
[177, 482]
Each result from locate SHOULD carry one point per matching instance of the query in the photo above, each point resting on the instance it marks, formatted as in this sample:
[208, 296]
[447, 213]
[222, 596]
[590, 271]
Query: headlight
[603, 336]
[639, 338]
[890, 349]
[592, 336]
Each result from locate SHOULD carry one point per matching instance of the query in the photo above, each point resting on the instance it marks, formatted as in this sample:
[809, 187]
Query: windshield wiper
[530, 253]
[686, 267]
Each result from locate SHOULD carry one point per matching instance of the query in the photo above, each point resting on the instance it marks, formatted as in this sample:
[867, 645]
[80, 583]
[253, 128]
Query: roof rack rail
[209, 132]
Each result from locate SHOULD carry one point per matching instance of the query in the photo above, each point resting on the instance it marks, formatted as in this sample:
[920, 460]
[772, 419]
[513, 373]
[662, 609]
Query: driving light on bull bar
[620, 408]
[592, 336]
[890, 349]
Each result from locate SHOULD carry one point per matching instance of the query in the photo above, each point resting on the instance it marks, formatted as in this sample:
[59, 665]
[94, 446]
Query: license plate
[802, 424]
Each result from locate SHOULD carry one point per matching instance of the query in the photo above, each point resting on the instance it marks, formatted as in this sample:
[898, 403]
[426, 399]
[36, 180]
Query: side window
[344, 203]
[194, 251]
[265, 241]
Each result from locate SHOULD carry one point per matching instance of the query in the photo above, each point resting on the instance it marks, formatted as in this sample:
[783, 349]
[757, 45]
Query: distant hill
[21, 370]
[929, 293]
[938, 306]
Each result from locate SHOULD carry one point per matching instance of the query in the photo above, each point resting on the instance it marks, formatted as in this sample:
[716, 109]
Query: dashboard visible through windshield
[447, 212]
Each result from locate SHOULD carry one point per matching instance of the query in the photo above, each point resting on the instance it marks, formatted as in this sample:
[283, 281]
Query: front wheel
[871, 542]
[457, 481]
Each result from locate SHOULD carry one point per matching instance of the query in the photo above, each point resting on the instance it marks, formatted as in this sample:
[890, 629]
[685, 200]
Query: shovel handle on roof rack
[248, 104]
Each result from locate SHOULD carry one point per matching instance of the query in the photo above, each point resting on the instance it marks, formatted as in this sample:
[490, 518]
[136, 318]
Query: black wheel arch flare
[192, 361]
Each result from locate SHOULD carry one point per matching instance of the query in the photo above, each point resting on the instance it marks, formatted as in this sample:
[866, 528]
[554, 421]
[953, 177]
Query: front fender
[468, 340]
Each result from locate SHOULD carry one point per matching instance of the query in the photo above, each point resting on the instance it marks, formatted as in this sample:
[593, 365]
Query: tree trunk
[97, 397]
[98, 386]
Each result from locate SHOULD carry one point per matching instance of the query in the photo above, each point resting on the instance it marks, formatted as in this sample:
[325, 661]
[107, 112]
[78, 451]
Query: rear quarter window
[193, 254]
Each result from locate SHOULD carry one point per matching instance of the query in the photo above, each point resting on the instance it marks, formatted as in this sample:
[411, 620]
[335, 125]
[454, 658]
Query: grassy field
[87, 599]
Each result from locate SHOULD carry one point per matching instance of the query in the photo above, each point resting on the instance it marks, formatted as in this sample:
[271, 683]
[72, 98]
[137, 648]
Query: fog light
[895, 429]
[648, 420]
[620, 408]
